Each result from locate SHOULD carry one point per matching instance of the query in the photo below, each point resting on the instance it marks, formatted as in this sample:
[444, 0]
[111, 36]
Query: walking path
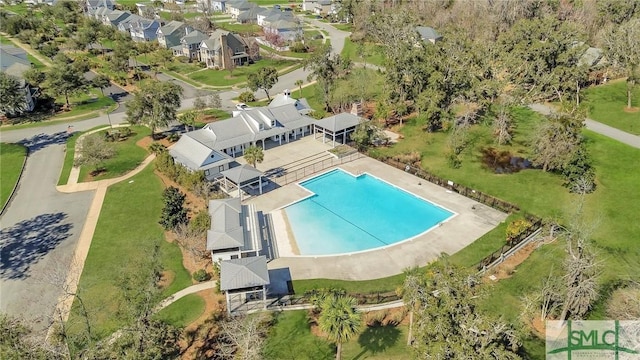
[186, 291]
[598, 127]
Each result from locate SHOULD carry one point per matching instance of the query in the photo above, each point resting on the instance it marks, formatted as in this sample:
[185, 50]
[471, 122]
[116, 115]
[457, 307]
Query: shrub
[173, 137]
[201, 222]
[201, 275]
[298, 47]
[246, 97]
[157, 149]
[516, 227]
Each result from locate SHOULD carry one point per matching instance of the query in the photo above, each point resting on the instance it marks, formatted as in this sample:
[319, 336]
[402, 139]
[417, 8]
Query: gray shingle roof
[242, 173]
[339, 122]
[13, 61]
[244, 273]
[428, 33]
[194, 37]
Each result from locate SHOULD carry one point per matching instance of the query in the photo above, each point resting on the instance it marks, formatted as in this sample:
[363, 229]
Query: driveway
[40, 230]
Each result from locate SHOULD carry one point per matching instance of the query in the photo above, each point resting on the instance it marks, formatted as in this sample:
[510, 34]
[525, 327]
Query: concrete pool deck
[471, 222]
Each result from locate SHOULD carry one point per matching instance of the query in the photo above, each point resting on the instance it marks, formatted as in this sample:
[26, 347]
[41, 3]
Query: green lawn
[12, 157]
[21, 8]
[291, 338]
[607, 103]
[68, 158]
[82, 104]
[5, 41]
[239, 75]
[128, 156]
[183, 68]
[240, 28]
[375, 53]
[126, 232]
[36, 63]
[184, 311]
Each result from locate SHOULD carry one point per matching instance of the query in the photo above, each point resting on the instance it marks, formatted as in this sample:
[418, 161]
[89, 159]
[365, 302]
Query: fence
[536, 224]
[294, 175]
[450, 185]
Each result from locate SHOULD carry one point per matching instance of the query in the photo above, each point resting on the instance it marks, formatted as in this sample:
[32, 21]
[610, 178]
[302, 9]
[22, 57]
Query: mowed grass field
[12, 156]
[608, 105]
[127, 231]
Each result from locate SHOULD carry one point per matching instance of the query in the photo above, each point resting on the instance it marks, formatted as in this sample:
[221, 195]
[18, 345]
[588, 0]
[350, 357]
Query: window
[221, 168]
[206, 172]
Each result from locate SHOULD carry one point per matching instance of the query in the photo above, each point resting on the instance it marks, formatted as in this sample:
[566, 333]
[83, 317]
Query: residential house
[265, 13]
[170, 34]
[115, 17]
[144, 30]
[195, 153]
[219, 5]
[250, 15]
[190, 44]
[222, 49]
[275, 15]
[15, 63]
[96, 4]
[236, 7]
[284, 29]
[99, 13]
[125, 25]
[322, 7]
[309, 5]
[428, 34]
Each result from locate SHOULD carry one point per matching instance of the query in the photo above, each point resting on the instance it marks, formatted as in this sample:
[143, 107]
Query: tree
[299, 83]
[34, 77]
[49, 50]
[623, 48]
[94, 150]
[367, 134]
[326, 69]
[340, 320]
[448, 323]
[65, 78]
[101, 82]
[264, 79]
[556, 139]
[155, 105]
[188, 119]
[253, 154]
[243, 337]
[503, 125]
[410, 292]
[16, 342]
[173, 212]
[14, 99]
[214, 101]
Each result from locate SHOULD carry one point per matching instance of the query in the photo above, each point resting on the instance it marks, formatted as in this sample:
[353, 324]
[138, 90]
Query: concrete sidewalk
[598, 127]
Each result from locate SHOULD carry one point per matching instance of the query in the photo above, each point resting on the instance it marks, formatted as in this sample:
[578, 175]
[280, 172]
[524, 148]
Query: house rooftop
[243, 173]
[244, 273]
[339, 122]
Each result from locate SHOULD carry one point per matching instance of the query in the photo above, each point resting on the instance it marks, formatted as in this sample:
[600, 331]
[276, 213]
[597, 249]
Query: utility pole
[109, 116]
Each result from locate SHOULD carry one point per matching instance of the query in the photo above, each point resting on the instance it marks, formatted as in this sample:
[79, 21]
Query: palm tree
[299, 83]
[253, 155]
[410, 292]
[340, 320]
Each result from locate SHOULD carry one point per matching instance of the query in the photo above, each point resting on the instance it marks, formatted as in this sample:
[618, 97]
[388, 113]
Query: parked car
[277, 7]
[242, 106]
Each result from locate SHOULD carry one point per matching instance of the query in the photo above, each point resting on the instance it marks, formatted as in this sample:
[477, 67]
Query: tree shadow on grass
[41, 141]
[25, 243]
[377, 338]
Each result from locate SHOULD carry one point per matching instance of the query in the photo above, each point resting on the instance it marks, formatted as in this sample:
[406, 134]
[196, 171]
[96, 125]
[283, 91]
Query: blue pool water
[349, 214]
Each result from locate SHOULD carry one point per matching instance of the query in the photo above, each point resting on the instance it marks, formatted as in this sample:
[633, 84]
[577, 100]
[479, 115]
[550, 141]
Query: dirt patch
[204, 329]
[166, 278]
[538, 326]
[632, 109]
[508, 267]
[146, 141]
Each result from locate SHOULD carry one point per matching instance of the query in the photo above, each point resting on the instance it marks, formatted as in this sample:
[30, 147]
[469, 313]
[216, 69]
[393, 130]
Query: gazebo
[338, 125]
[241, 177]
[244, 280]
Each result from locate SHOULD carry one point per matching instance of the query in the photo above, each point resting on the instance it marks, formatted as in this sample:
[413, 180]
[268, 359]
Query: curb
[15, 187]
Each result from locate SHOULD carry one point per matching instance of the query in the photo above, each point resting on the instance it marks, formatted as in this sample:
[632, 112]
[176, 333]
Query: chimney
[356, 109]
[187, 30]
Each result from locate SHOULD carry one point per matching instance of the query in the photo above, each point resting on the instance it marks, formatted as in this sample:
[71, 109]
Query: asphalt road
[40, 230]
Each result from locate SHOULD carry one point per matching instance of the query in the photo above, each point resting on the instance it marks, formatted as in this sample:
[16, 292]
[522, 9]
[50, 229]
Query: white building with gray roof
[213, 147]
[235, 230]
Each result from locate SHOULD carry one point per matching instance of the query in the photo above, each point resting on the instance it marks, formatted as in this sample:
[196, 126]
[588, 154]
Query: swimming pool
[355, 213]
